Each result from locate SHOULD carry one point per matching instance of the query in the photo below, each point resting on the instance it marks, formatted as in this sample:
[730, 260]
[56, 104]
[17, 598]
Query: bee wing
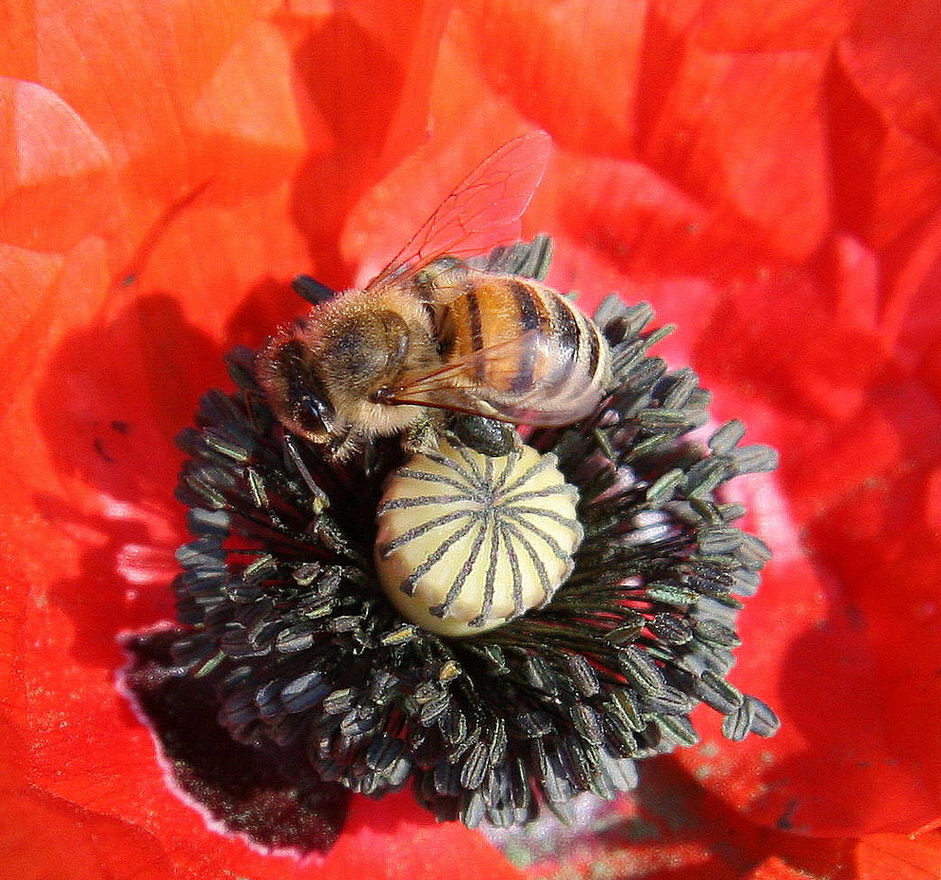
[482, 212]
[457, 385]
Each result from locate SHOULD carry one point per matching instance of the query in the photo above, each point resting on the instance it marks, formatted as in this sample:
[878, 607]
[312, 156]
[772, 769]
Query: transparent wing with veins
[482, 212]
[456, 385]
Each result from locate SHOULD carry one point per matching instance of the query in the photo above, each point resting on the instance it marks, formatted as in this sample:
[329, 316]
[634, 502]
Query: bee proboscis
[430, 335]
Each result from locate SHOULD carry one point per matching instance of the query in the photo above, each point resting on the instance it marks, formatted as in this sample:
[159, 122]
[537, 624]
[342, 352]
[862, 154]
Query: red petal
[585, 56]
[175, 164]
[397, 840]
[56, 161]
[886, 109]
[761, 161]
[901, 858]
[673, 828]
[856, 614]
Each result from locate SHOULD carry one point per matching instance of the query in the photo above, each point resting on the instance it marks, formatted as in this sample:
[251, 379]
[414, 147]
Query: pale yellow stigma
[468, 542]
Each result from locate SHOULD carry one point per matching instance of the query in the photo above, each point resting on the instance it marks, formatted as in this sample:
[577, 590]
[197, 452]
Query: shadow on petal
[262, 791]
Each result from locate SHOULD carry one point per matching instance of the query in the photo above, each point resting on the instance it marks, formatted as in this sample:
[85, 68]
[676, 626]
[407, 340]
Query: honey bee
[433, 344]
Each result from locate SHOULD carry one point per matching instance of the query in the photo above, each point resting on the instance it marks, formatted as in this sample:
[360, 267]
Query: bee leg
[422, 436]
[342, 447]
[374, 459]
[483, 435]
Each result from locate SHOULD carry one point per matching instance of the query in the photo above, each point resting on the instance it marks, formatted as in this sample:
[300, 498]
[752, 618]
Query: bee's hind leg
[483, 435]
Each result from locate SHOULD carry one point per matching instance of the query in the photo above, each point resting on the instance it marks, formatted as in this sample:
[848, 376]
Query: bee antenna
[312, 290]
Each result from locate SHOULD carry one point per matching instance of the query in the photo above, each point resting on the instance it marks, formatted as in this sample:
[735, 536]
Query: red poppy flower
[769, 178]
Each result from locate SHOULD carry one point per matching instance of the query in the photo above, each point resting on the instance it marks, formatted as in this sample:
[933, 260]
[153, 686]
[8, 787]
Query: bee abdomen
[583, 363]
[538, 352]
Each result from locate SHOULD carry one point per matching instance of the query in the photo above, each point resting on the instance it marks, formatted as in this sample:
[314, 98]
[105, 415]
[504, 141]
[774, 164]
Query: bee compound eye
[467, 542]
[317, 414]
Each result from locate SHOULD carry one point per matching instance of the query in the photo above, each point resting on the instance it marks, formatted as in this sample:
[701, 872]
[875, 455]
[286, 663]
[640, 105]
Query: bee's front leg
[343, 446]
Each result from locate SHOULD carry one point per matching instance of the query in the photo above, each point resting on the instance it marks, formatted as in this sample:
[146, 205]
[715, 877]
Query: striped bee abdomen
[540, 359]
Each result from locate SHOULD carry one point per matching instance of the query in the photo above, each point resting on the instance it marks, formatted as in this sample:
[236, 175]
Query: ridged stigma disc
[467, 542]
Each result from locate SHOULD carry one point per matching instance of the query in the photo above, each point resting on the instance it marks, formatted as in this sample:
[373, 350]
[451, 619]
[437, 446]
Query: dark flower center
[301, 654]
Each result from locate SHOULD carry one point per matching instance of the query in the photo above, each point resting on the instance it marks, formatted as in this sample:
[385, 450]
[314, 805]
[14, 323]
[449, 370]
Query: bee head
[296, 393]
